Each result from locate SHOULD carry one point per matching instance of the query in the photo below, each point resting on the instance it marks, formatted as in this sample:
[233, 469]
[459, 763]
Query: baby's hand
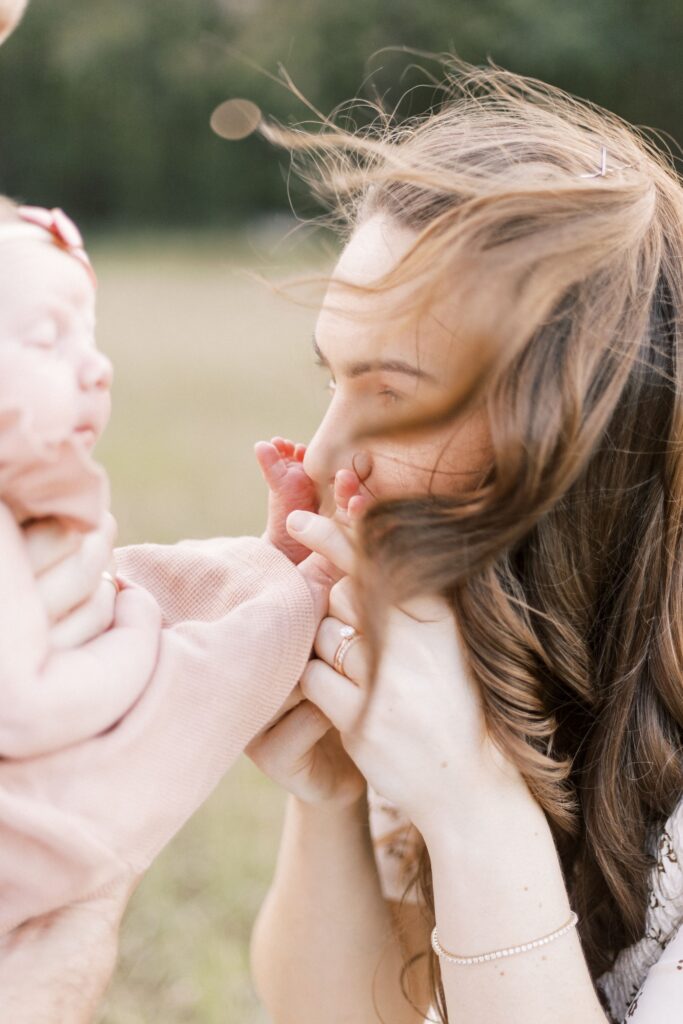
[289, 488]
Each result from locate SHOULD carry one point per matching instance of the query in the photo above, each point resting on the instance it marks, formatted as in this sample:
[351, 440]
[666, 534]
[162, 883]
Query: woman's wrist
[347, 809]
[494, 791]
[498, 880]
[491, 819]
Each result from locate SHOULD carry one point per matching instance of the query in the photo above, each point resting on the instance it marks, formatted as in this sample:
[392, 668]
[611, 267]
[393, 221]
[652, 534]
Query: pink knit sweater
[109, 748]
[238, 626]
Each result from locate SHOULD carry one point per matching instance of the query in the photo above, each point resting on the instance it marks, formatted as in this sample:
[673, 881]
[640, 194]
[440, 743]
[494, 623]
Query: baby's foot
[351, 504]
[289, 487]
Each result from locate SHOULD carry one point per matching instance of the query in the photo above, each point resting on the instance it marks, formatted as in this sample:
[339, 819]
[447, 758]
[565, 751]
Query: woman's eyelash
[388, 393]
[331, 384]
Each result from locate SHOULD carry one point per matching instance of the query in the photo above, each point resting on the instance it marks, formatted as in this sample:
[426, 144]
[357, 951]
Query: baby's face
[49, 364]
[10, 16]
[378, 370]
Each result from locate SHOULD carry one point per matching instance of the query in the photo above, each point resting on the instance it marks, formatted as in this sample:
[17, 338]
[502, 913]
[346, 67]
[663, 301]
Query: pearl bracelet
[496, 954]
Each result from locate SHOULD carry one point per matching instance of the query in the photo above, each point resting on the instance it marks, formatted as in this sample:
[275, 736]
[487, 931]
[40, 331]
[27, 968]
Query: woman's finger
[277, 751]
[328, 642]
[324, 537]
[295, 697]
[72, 581]
[343, 602]
[91, 619]
[338, 698]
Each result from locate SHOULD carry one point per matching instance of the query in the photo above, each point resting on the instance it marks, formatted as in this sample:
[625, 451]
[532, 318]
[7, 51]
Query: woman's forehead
[375, 247]
[353, 325]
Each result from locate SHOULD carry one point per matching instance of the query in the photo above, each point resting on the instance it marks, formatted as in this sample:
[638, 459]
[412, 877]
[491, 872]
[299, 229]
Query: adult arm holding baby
[55, 967]
[47, 682]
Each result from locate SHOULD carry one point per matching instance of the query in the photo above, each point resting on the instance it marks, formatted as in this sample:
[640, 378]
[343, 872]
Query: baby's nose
[96, 371]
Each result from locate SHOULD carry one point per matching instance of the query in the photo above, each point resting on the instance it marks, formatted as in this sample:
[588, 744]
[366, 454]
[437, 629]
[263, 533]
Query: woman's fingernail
[298, 521]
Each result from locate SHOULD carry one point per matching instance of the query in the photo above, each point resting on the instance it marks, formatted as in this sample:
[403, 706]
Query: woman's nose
[328, 452]
[95, 371]
[319, 460]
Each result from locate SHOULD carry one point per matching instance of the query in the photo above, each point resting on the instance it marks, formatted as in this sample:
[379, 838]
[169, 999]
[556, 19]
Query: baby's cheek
[33, 381]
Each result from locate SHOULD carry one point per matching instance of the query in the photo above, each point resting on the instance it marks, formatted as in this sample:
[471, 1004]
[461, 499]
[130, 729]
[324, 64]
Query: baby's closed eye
[44, 334]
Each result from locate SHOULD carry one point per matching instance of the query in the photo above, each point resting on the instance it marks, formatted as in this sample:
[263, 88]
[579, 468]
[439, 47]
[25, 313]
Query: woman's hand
[300, 749]
[68, 567]
[303, 753]
[418, 734]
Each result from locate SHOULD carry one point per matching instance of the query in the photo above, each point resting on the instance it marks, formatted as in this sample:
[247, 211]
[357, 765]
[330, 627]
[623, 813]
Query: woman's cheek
[444, 462]
[399, 471]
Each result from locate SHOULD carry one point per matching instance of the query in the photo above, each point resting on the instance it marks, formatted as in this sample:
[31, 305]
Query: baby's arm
[50, 699]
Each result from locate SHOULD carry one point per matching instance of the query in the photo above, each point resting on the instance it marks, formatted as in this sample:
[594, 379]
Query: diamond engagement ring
[349, 636]
[113, 580]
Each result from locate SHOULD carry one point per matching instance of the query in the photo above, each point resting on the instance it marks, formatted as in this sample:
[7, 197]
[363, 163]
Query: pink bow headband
[49, 225]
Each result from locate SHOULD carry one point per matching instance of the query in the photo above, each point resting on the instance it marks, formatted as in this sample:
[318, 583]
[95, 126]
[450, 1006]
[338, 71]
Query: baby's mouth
[87, 435]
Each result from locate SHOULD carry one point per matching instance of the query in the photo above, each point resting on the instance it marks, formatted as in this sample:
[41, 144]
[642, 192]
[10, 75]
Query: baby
[54, 404]
[110, 747]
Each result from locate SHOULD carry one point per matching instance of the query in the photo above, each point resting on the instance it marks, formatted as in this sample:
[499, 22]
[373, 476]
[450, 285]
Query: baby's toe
[285, 447]
[346, 485]
[270, 462]
[358, 506]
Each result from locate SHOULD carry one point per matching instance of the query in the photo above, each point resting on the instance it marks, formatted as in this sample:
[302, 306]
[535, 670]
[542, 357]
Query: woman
[505, 322]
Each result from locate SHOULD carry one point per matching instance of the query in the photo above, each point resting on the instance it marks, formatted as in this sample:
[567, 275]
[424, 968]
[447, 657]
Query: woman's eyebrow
[372, 366]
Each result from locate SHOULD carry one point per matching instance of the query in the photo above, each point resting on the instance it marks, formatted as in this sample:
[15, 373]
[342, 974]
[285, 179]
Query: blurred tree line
[105, 103]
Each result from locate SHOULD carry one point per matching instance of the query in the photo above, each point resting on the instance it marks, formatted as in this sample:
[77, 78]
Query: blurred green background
[105, 102]
[207, 360]
[104, 108]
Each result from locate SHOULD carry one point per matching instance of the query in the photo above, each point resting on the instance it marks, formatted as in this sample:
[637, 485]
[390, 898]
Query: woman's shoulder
[663, 920]
[666, 890]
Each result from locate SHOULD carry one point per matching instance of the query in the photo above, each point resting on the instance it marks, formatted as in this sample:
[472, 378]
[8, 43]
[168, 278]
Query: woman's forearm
[498, 883]
[323, 948]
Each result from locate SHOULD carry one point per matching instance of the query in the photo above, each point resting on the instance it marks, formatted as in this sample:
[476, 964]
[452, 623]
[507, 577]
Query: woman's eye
[331, 385]
[389, 395]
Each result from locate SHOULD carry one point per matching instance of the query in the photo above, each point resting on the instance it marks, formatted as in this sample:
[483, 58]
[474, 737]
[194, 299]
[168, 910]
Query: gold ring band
[113, 580]
[349, 638]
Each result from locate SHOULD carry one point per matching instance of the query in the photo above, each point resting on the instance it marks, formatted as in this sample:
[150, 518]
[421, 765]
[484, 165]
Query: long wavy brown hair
[557, 230]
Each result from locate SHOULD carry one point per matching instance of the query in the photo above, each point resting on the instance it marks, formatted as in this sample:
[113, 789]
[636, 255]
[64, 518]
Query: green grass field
[206, 362]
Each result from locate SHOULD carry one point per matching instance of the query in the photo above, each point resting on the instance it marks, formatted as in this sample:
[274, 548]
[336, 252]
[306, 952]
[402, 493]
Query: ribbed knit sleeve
[238, 629]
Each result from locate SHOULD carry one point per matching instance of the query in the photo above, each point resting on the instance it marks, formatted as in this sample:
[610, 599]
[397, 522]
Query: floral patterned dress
[645, 984]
